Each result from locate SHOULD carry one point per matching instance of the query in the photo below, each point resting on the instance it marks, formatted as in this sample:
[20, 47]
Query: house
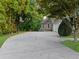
[50, 24]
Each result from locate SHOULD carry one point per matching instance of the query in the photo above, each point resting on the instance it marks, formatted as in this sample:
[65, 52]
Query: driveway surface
[36, 45]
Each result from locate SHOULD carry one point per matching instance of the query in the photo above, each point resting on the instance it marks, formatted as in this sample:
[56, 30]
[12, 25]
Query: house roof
[46, 21]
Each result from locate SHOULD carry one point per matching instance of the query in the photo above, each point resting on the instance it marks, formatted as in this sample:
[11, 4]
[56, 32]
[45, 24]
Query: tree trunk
[75, 36]
[75, 30]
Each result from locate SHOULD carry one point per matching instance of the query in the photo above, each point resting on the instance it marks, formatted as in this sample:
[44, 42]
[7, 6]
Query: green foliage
[12, 10]
[33, 25]
[30, 23]
[7, 28]
[32, 19]
[65, 28]
[2, 17]
[58, 7]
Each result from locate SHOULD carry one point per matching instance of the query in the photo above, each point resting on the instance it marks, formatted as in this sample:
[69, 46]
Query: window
[48, 25]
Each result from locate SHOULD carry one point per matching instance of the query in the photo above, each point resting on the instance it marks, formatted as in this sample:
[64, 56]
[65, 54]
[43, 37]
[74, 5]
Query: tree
[65, 28]
[10, 11]
[32, 18]
[61, 8]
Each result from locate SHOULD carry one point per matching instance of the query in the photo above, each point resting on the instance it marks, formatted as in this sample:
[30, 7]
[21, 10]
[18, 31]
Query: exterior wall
[53, 24]
[56, 25]
[46, 27]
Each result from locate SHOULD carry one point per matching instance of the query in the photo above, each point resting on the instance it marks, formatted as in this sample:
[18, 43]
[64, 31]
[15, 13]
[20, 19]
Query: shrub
[6, 28]
[31, 22]
[32, 25]
[65, 28]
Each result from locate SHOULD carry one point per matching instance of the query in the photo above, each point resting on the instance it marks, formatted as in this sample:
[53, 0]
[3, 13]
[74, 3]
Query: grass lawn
[71, 36]
[3, 38]
[71, 44]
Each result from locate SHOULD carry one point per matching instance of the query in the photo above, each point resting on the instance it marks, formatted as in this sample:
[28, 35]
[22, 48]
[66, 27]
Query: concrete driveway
[36, 45]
